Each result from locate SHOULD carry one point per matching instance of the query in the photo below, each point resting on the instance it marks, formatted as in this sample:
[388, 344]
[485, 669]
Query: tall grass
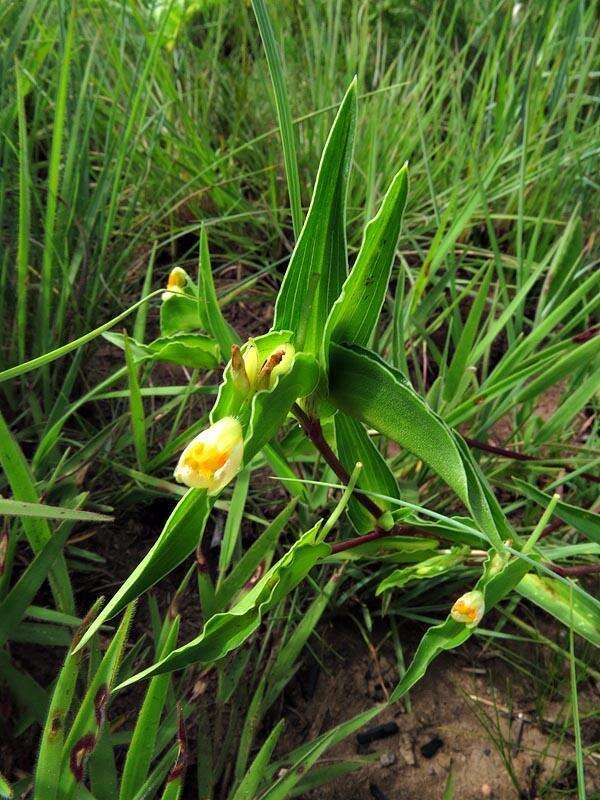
[117, 149]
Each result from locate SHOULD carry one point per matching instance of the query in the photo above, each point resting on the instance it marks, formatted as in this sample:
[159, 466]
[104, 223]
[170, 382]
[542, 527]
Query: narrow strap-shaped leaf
[545, 326]
[247, 565]
[318, 266]
[580, 518]
[284, 113]
[356, 311]
[136, 407]
[572, 403]
[571, 608]
[91, 714]
[19, 508]
[249, 729]
[308, 754]
[354, 444]
[22, 593]
[24, 215]
[226, 631]
[250, 783]
[47, 772]
[460, 360]
[283, 670]
[450, 634]
[209, 304]
[180, 536]
[143, 741]
[37, 530]
[233, 522]
[26, 690]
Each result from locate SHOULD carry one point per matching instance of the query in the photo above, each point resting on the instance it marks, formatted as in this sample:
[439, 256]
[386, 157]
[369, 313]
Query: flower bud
[176, 283]
[469, 608]
[278, 363]
[213, 458]
[238, 371]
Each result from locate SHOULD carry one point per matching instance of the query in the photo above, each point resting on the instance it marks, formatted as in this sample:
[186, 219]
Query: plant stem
[515, 456]
[378, 533]
[312, 428]
[575, 571]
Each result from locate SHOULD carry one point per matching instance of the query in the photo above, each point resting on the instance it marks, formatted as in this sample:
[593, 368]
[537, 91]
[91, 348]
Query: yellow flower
[213, 458]
[469, 608]
[176, 283]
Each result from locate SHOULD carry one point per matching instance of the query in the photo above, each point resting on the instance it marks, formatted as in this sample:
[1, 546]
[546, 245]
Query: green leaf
[225, 631]
[59, 352]
[284, 113]
[270, 407]
[460, 361]
[571, 608]
[20, 508]
[26, 690]
[251, 781]
[233, 522]
[318, 266]
[180, 537]
[210, 310]
[143, 741]
[185, 349]
[429, 568]
[355, 313]
[354, 444]
[5, 787]
[367, 388]
[14, 605]
[256, 553]
[136, 407]
[450, 634]
[306, 755]
[568, 256]
[573, 402]
[180, 313]
[37, 530]
[283, 668]
[585, 521]
[91, 713]
[24, 215]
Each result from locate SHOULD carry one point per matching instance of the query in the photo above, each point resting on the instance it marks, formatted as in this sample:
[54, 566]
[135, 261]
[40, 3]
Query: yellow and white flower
[213, 458]
[176, 283]
[469, 608]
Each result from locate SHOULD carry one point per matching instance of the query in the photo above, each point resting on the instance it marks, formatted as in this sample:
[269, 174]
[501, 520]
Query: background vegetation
[125, 129]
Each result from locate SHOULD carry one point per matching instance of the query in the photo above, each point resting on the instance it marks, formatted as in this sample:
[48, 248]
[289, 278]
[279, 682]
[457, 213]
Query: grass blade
[284, 114]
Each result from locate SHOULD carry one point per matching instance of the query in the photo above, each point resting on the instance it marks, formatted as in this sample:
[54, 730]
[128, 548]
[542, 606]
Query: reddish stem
[575, 571]
[515, 456]
[312, 428]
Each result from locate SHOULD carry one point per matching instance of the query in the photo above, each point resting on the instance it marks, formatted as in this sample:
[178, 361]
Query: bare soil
[471, 716]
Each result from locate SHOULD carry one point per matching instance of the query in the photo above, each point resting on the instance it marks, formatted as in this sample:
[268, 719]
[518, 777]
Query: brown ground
[468, 702]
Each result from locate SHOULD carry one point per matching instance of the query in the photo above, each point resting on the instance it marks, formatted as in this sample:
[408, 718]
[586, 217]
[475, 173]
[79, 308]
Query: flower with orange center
[176, 283]
[213, 458]
[469, 608]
